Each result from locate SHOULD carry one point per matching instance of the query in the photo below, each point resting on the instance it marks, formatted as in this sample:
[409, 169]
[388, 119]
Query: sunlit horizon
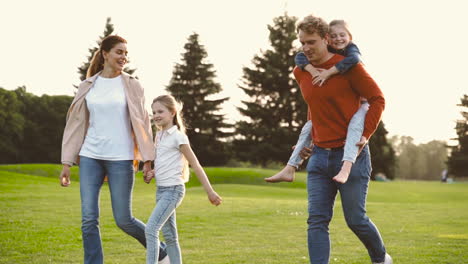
[406, 46]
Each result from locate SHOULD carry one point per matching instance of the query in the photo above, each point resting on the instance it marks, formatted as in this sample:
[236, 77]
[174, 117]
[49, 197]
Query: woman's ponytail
[96, 64]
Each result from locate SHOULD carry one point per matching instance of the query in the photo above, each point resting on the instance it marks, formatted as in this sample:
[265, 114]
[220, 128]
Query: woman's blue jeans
[323, 165]
[121, 179]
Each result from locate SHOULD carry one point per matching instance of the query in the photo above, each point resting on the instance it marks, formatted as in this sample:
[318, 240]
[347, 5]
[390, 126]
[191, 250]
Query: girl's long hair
[175, 107]
[341, 22]
[97, 62]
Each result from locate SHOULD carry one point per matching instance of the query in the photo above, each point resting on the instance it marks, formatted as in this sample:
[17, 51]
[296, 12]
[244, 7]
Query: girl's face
[116, 58]
[162, 116]
[339, 37]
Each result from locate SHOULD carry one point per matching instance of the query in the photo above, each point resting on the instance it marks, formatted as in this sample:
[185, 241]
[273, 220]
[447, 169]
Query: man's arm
[366, 87]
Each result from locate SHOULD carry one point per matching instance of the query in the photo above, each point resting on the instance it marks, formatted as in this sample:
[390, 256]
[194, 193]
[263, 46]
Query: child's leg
[168, 198]
[169, 230]
[287, 173]
[303, 141]
[355, 130]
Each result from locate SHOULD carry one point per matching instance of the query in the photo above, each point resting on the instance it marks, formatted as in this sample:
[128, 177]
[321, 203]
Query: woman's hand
[65, 176]
[214, 198]
[146, 170]
[148, 176]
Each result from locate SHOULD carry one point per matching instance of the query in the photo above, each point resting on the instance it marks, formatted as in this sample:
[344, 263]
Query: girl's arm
[302, 62]
[201, 175]
[352, 57]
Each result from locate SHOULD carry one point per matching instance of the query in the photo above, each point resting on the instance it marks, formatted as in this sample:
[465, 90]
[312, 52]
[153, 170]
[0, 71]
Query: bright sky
[409, 47]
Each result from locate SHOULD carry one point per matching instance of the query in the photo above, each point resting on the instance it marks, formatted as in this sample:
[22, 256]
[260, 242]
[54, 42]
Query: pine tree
[382, 153]
[109, 29]
[275, 109]
[193, 83]
[458, 160]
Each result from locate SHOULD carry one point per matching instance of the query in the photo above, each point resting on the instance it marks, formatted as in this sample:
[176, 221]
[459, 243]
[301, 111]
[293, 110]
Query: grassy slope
[421, 222]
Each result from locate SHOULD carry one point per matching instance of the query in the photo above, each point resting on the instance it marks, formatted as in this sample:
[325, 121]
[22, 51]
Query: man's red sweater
[332, 105]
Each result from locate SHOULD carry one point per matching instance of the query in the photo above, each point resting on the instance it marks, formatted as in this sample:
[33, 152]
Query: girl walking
[173, 155]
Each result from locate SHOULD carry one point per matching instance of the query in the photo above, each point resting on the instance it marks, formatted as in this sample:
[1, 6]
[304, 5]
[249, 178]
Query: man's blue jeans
[323, 165]
[121, 179]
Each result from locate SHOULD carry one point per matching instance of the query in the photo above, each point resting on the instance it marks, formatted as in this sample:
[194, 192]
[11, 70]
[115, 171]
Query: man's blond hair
[312, 24]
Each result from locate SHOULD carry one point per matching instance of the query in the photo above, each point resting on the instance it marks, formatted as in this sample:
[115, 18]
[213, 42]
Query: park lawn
[421, 222]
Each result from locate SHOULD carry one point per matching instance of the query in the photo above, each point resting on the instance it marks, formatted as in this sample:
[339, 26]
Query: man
[331, 107]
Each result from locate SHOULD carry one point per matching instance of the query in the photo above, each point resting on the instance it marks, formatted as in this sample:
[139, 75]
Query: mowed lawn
[421, 222]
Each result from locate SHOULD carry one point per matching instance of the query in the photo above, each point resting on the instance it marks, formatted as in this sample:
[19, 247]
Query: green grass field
[421, 222]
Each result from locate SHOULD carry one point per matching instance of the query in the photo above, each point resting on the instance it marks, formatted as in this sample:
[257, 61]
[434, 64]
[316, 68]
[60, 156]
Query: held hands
[148, 176]
[214, 198]
[148, 173]
[65, 176]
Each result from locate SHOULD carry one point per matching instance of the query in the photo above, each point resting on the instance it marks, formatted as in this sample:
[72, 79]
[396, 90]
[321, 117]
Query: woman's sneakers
[388, 260]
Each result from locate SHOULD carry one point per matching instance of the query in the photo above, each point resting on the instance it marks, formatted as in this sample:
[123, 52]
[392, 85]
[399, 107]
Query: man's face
[313, 46]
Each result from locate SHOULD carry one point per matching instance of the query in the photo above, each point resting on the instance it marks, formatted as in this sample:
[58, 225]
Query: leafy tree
[83, 69]
[275, 109]
[32, 125]
[11, 126]
[382, 153]
[419, 162]
[43, 128]
[193, 83]
[458, 160]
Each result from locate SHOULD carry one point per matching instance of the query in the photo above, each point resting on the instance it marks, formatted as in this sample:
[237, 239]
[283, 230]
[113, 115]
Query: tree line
[31, 127]
[273, 113]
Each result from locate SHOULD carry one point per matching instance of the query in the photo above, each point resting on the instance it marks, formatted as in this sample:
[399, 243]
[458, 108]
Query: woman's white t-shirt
[109, 135]
[170, 163]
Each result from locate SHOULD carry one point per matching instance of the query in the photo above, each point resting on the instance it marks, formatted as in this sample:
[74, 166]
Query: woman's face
[162, 116]
[339, 37]
[116, 58]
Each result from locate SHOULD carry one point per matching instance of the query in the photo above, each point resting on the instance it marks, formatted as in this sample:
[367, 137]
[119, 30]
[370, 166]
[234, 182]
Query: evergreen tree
[109, 29]
[382, 153]
[193, 83]
[458, 160]
[275, 110]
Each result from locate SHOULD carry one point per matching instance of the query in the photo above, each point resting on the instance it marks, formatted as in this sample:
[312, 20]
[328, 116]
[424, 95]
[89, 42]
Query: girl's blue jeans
[163, 218]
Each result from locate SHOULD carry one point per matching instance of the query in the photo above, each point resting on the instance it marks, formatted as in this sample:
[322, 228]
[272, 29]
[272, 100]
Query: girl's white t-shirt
[109, 135]
[170, 163]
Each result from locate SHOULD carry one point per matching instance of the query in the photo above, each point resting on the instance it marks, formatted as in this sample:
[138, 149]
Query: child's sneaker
[165, 260]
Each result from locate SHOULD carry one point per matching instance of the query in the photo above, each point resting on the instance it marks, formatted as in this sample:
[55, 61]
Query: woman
[107, 129]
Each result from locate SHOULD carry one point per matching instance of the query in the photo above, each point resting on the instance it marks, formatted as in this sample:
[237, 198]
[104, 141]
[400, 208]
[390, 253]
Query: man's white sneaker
[164, 260]
[388, 260]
